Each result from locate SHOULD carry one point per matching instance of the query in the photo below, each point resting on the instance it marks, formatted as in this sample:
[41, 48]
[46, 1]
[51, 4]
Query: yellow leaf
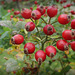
[67, 52]
[0, 66]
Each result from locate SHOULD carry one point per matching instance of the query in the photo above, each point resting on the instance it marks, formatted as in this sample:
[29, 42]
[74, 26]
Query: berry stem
[49, 20]
[54, 22]
[32, 20]
[44, 20]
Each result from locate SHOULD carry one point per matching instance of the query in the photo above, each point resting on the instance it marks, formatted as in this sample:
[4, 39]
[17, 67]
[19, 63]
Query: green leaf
[4, 35]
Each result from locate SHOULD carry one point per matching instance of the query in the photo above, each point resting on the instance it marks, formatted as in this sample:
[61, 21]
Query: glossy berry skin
[36, 14]
[11, 16]
[52, 11]
[48, 29]
[67, 35]
[40, 54]
[30, 26]
[26, 13]
[17, 39]
[62, 45]
[30, 47]
[50, 51]
[73, 24]
[41, 9]
[64, 19]
[73, 45]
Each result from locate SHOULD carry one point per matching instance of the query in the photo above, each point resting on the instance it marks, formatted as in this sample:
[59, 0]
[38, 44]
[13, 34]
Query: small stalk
[44, 20]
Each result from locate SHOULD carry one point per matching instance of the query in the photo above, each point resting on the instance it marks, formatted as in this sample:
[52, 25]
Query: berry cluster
[48, 29]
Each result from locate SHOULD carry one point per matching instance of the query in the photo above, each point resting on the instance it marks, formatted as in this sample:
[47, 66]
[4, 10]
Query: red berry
[40, 56]
[50, 51]
[35, 2]
[64, 19]
[62, 45]
[31, 8]
[16, 12]
[72, 12]
[67, 35]
[48, 29]
[52, 11]
[73, 45]
[41, 9]
[11, 16]
[57, 0]
[12, 9]
[30, 26]
[73, 24]
[26, 13]
[21, 19]
[68, 5]
[64, 6]
[36, 15]
[9, 11]
[61, 2]
[17, 39]
[29, 48]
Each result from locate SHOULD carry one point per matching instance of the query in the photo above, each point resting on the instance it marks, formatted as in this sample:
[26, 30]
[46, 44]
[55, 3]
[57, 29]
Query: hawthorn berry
[62, 45]
[68, 5]
[73, 24]
[41, 9]
[40, 56]
[52, 11]
[16, 12]
[11, 16]
[64, 19]
[35, 2]
[36, 14]
[48, 29]
[9, 11]
[68, 35]
[73, 45]
[57, 0]
[30, 26]
[29, 48]
[12, 9]
[50, 51]
[17, 39]
[31, 8]
[72, 12]
[26, 13]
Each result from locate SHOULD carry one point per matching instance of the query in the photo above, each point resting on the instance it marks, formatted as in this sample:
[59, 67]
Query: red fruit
[48, 29]
[31, 8]
[46, 7]
[68, 5]
[11, 16]
[57, 0]
[73, 24]
[36, 15]
[41, 9]
[30, 26]
[62, 45]
[21, 19]
[16, 12]
[17, 39]
[26, 13]
[35, 2]
[52, 11]
[72, 12]
[12, 9]
[40, 56]
[50, 51]
[45, 15]
[29, 48]
[14, 72]
[2, 2]
[9, 11]
[64, 19]
[67, 35]
[64, 6]
[73, 45]
[61, 2]
[64, 1]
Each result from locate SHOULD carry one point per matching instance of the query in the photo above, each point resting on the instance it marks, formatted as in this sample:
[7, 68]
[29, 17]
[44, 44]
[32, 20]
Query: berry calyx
[64, 19]
[73, 45]
[50, 51]
[30, 26]
[48, 29]
[73, 24]
[62, 45]
[36, 14]
[29, 48]
[17, 39]
[67, 35]
[41, 9]
[40, 56]
[52, 11]
[26, 13]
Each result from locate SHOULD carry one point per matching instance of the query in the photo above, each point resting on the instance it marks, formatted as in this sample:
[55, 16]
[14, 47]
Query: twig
[44, 20]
